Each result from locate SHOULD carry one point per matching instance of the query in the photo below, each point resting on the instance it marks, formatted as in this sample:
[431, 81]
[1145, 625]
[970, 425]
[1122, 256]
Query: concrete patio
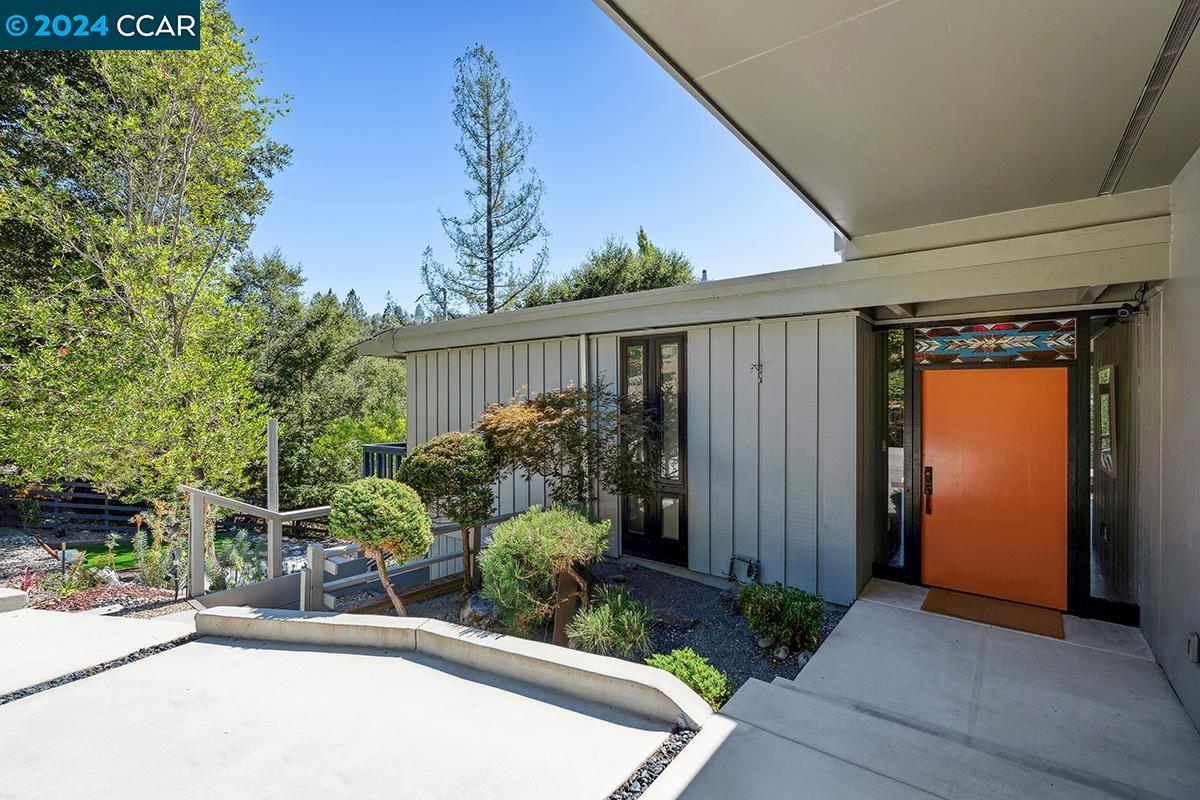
[320, 705]
[902, 703]
[38, 646]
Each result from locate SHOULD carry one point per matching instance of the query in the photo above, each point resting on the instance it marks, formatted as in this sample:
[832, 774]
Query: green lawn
[97, 554]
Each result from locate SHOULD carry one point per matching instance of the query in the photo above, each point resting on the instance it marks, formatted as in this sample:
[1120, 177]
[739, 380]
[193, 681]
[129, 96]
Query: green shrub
[615, 625]
[239, 562]
[158, 532]
[453, 473]
[701, 677]
[790, 615]
[521, 565]
[384, 518]
[79, 576]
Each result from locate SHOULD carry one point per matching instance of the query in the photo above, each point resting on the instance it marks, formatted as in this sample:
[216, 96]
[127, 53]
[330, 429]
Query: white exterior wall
[775, 468]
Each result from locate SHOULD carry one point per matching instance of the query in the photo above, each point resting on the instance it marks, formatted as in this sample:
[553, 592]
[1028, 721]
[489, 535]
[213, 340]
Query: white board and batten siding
[781, 438]
[449, 389]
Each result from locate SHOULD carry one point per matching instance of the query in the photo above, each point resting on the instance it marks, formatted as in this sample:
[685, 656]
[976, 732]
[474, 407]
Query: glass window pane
[893, 544]
[635, 372]
[636, 510]
[670, 518]
[668, 377]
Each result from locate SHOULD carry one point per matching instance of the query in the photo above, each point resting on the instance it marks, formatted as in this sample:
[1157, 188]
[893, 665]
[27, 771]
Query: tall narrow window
[893, 539]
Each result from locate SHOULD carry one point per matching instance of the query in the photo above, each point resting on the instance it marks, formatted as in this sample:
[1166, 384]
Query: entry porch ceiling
[890, 115]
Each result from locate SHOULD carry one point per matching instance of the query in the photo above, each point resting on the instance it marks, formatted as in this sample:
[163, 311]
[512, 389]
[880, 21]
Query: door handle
[929, 490]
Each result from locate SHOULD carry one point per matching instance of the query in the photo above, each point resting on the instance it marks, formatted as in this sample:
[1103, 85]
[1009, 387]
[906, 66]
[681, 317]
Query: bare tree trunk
[381, 568]
[572, 593]
[468, 560]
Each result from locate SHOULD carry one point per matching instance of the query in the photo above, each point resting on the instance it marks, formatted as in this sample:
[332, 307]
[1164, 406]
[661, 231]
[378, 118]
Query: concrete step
[941, 762]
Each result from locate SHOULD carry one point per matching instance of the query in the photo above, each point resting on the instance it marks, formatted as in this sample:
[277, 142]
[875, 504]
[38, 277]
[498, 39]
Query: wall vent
[1173, 46]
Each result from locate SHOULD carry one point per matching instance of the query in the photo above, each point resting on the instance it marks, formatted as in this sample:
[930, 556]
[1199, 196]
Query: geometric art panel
[996, 342]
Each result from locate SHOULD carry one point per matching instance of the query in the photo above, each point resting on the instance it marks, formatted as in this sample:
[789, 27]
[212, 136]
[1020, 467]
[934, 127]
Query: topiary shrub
[453, 473]
[527, 554]
[615, 625]
[384, 518]
[701, 677]
[792, 616]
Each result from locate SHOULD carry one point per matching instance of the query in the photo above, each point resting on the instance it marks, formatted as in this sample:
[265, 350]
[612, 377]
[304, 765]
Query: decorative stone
[728, 599]
[476, 611]
[803, 658]
[675, 620]
[781, 652]
[107, 575]
[766, 642]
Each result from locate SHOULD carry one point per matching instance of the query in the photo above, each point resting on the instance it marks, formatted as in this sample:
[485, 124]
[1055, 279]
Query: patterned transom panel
[996, 342]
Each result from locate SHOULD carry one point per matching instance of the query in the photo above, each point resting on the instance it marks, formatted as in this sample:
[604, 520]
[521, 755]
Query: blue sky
[618, 143]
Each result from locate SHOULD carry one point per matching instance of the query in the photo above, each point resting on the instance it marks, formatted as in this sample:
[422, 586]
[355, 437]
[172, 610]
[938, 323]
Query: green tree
[329, 401]
[504, 195]
[387, 519]
[127, 368]
[454, 473]
[616, 268]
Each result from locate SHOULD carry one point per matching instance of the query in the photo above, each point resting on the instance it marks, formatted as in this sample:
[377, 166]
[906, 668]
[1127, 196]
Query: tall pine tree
[504, 194]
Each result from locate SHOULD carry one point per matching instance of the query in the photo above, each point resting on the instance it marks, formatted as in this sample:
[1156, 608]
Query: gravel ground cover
[702, 617]
[653, 766]
[687, 614]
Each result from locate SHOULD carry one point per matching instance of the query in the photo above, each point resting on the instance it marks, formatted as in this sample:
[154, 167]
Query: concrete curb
[637, 688]
[12, 599]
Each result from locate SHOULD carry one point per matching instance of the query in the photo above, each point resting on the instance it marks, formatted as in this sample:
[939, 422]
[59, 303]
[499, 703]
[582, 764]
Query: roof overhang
[1055, 268]
[891, 114]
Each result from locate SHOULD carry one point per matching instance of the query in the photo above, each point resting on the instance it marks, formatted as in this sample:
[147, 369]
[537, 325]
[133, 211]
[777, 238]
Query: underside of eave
[667, 63]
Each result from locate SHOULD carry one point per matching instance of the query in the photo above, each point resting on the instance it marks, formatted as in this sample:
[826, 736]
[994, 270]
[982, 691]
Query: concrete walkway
[901, 703]
[38, 646]
[237, 718]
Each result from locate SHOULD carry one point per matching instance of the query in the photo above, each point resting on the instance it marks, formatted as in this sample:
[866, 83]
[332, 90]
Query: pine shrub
[615, 625]
[521, 564]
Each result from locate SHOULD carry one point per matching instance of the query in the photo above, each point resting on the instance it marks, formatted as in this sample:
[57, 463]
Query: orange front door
[996, 521]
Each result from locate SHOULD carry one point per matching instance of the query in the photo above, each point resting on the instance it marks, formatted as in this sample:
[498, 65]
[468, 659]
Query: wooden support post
[312, 582]
[274, 526]
[195, 573]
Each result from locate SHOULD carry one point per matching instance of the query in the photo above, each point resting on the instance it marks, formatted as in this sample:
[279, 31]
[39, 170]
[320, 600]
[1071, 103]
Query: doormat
[1003, 613]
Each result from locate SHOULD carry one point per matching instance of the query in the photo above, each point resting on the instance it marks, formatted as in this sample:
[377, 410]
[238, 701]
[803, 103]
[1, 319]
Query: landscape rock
[766, 642]
[728, 599]
[107, 575]
[781, 653]
[476, 611]
[676, 620]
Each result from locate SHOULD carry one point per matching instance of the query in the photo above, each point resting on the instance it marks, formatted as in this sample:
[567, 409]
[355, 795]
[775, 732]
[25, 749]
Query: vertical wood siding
[774, 466]
[778, 469]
